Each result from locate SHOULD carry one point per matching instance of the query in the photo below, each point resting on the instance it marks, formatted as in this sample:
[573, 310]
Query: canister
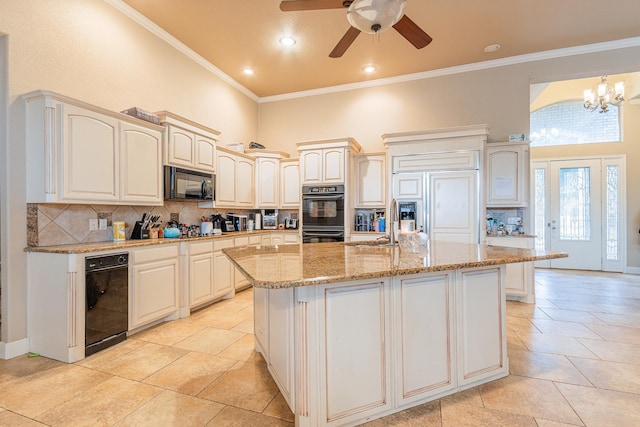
[118, 231]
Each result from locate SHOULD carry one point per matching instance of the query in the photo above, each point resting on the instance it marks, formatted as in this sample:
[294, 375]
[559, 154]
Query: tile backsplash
[61, 224]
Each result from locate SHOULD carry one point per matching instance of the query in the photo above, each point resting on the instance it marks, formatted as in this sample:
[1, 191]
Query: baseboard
[632, 270]
[9, 350]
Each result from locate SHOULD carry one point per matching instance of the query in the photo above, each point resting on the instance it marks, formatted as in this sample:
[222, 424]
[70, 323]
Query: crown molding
[511, 60]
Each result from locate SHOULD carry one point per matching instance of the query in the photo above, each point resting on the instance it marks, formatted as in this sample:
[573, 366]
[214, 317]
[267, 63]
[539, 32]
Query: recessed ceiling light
[248, 71]
[492, 48]
[369, 68]
[287, 41]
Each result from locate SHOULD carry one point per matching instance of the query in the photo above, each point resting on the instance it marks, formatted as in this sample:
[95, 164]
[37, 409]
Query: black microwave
[184, 184]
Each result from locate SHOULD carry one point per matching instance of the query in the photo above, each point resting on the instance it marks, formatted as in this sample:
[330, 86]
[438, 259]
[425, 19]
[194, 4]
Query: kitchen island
[352, 332]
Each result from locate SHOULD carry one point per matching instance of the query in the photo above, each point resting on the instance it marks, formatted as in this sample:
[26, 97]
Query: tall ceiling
[235, 34]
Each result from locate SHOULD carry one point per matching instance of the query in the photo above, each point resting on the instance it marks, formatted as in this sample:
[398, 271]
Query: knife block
[138, 232]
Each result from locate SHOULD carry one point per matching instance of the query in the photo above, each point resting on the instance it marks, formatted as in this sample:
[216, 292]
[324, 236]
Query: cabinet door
[290, 238]
[226, 180]
[200, 279]
[205, 154]
[289, 184]
[482, 338]
[245, 182]
[277, 239]
[425, 317]
[453, 198]
[311, 164]
[223, 281]
[408, 186]
[267, 182]
[180, 145]
[240, 282]
[90, 155]
[280, 339]
[370, 181]
[507, 174]
[140, 165]
[333, 165]
[519, 277]
[154, 291]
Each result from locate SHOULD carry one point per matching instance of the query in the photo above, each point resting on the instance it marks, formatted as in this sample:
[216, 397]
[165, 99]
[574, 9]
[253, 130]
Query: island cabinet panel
[482, 350]
[425, 316]
[260, 312]
[154, 287]
[280, 343]
[355, 362]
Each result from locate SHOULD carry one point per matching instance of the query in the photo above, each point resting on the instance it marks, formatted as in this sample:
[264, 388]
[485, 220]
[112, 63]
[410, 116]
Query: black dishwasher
[107, 306]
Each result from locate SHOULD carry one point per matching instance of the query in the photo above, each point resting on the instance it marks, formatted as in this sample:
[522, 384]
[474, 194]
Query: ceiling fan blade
[410, 31]
[295, 5]
[344, 42]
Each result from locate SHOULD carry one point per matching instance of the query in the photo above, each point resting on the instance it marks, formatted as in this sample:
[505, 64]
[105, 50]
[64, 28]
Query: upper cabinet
[326, 162]
[507, 174]
[267, 187]
[289, 183]
[79, 153]
[234, 179]
[370, 180]
[188, 144]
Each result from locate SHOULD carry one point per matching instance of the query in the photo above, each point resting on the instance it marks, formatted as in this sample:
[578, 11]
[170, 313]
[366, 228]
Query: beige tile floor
[574, 361]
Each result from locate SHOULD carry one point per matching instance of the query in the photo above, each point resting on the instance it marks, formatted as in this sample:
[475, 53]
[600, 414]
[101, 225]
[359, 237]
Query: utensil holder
[138, 232]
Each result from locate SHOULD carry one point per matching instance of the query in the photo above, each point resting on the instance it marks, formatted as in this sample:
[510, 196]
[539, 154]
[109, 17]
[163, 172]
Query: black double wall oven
[323, 214]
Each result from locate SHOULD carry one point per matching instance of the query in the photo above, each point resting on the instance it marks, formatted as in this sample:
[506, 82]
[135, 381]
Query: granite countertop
[320, 263]
[80, 248]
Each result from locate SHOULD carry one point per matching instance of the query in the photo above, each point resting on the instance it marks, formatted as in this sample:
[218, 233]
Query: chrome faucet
[393, 219]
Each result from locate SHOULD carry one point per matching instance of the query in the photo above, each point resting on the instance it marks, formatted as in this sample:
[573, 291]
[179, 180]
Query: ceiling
[235, 34]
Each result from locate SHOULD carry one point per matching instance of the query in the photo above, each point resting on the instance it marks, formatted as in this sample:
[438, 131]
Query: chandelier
[373, 16]
[604, 94]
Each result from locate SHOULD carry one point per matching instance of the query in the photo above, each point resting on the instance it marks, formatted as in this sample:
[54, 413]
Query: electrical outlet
[102, 223]
[93, 224]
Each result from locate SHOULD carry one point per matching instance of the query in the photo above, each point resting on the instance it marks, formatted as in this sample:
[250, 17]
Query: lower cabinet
[240, 282]
[260, 311]
[154, 285]
[223, 279]
[201, 273]
[520, 277]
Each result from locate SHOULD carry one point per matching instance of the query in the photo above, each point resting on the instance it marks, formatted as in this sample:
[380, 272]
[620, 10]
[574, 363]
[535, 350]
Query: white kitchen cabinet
[507, 174]
[280, 345]
[519, 277]
[290, 183]
[240, 282]
[188, 144]
[234, 179]
[287, 238]
[267, 182]
[481, 330]
[201, 273]
[326, 161]
[56, 305]
[154, 285]
[425, 338]
[408, 186]
[260, 312]
[370, 179]
[324, 166]
[140, 180]
[223, 280]
[79, 153]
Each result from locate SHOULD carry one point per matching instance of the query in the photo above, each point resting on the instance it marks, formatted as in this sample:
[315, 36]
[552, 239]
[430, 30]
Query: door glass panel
[612, 213]
[574, 215]
[540, 208]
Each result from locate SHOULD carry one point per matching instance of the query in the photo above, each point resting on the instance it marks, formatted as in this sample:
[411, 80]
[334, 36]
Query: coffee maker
[269, 219]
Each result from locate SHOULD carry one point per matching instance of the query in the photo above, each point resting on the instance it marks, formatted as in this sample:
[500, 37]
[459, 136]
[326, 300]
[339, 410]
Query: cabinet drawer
[197, 248]
[241, 241]
[155, 254]
[222, 244]
[255, 240]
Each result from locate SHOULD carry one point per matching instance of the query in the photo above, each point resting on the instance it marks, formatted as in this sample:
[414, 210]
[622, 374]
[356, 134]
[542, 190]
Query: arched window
[570, 123]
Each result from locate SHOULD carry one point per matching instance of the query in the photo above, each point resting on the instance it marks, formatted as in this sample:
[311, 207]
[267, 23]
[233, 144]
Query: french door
[578, 209]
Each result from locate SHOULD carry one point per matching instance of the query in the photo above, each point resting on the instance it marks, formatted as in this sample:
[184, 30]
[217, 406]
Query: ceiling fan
[369, 16]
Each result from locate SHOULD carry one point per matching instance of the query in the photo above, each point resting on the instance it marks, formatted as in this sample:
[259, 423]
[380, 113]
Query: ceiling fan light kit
[373, 16]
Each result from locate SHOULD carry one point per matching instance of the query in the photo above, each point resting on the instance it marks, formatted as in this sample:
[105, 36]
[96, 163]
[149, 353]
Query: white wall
[86, 49]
